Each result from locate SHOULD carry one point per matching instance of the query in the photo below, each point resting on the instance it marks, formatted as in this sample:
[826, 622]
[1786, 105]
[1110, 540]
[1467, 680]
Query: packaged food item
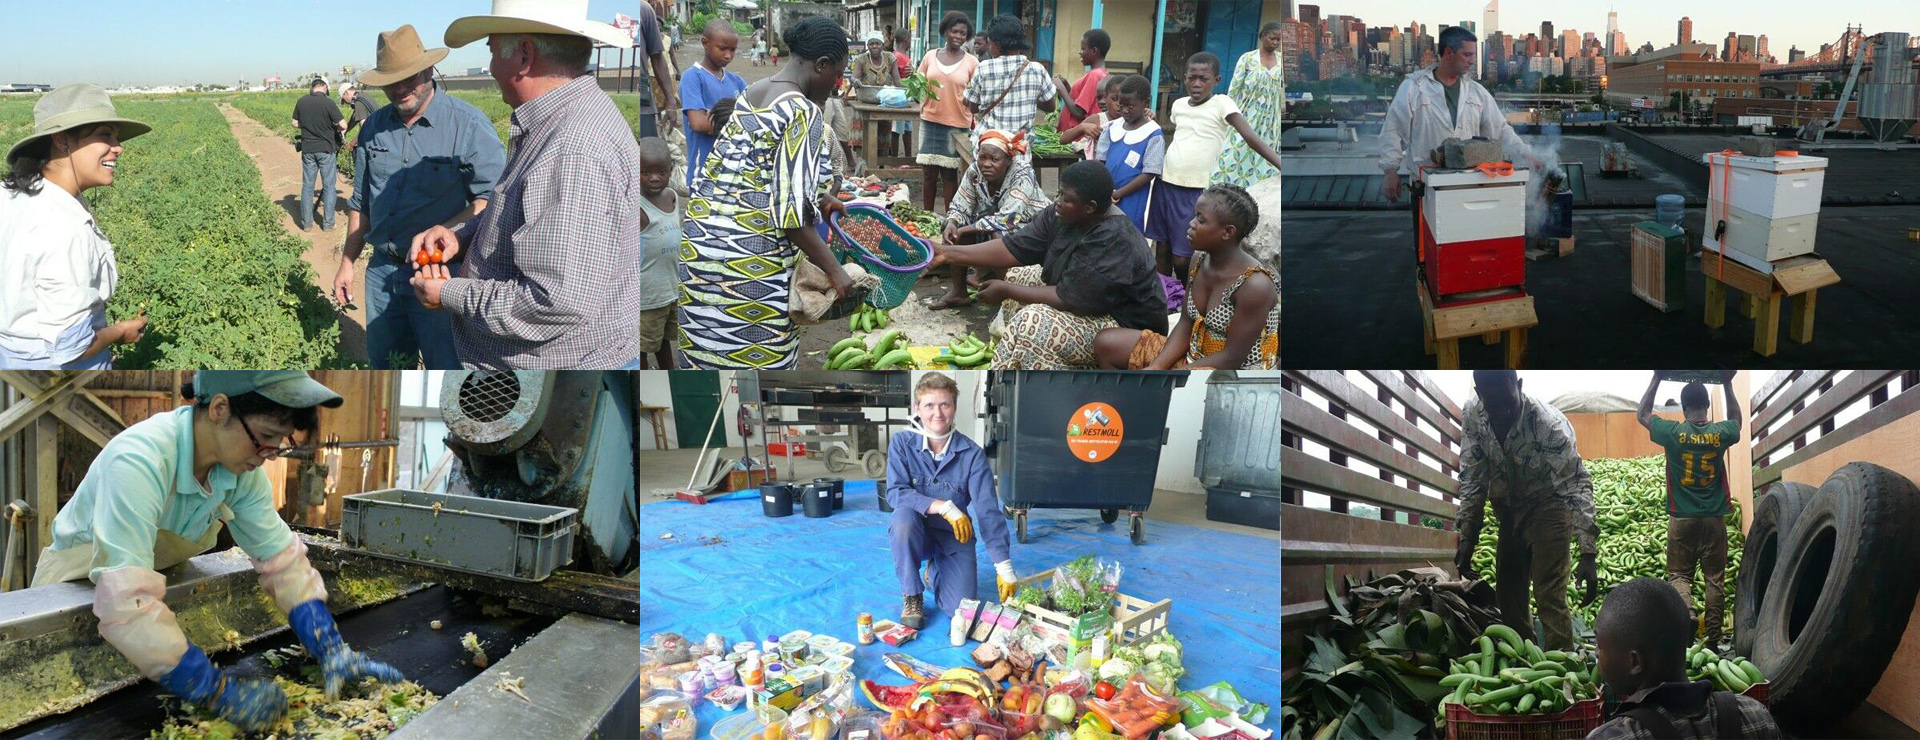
[801, 635]
[866, 628]
[898, 634]
[839, 649]
[988, 620]
[670, 648]
[668, 716]
[913, 668]
[1021, 707]
[793, 648]
[811, 679]
[1136, 709]
[727, 697]
[771, 645]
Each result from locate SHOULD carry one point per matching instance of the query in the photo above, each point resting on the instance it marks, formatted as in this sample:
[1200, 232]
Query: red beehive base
[1464, 267]
[1572, 724]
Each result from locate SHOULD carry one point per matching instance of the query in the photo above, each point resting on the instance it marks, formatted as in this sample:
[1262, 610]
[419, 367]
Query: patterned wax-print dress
[1258, 91]
[767, 171]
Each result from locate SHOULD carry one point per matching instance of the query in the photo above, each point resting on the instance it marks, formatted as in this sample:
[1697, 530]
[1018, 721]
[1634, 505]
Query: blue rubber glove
[314, 625]
[249, 703]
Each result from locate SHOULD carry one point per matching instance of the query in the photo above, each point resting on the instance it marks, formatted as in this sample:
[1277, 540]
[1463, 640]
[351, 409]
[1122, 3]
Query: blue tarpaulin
[728, 569]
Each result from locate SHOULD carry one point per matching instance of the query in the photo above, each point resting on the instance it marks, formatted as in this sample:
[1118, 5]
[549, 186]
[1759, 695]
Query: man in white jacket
[1440, 103]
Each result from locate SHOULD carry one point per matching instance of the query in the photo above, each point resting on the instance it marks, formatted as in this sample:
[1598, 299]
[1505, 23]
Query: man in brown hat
[427, 159]
[552, 280]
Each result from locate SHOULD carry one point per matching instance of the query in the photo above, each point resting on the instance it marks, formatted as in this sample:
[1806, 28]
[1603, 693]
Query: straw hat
[567, 17]
[399, 55]
[73, 106]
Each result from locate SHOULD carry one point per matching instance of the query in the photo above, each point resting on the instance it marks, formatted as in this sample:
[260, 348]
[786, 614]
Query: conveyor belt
[397, 632]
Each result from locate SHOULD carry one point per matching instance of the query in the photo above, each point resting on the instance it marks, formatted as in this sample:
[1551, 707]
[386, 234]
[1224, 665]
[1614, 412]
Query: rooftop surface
[1349, 299]
[1347, 261]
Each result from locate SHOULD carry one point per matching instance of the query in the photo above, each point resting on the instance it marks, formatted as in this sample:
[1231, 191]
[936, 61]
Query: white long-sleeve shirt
[56, 274]
[1418, 120]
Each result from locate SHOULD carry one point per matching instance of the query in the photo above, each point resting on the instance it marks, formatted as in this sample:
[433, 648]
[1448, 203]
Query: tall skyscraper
[1613, 23]
[1569, 43]
[1619, 42]
[1286, 9]
[1686, 30]
[1794, 54]
[1761, 50]
[1730, 48]
[1490, 17]
[1471, 28]
[1310, 15]
[1546, 34]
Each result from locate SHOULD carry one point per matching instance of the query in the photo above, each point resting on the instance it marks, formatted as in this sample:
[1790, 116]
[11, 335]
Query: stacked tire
[1827, 618]
[1773, 520]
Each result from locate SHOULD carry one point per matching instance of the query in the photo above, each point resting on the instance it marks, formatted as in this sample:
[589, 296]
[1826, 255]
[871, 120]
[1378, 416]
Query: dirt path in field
[279, 167]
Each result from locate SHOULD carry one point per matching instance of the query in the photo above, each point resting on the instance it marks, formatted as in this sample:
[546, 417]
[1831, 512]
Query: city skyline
[1642, 21]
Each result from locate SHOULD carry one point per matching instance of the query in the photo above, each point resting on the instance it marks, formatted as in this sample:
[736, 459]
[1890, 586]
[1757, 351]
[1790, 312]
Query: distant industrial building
[1688, 68]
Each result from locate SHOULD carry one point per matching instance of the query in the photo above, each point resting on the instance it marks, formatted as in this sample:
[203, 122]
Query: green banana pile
[868, 318]
[888, 352]
[968, 352]
[1512, 676]
[1735, 674]
[1630, 508]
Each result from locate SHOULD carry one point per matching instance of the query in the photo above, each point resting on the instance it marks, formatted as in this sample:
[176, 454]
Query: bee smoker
[1558, 195]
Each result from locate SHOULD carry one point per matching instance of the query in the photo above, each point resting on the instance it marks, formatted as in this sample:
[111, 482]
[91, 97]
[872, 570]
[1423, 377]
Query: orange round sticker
[1094, 432]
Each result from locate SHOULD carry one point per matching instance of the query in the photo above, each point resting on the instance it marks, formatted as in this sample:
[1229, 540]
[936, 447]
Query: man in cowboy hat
[551, 281]
[426, 159]
[320, 125]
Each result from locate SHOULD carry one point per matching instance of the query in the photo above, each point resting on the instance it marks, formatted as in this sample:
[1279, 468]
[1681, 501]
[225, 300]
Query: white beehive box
[1769, 187]
[1469, 205]
[1756, 240]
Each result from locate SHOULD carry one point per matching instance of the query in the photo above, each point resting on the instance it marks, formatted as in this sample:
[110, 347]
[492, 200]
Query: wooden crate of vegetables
[1136, 620]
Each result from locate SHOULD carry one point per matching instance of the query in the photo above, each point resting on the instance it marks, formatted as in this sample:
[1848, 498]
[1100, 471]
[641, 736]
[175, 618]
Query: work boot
[911, 612]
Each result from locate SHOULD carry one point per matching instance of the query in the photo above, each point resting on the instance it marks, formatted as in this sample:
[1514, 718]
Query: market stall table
[729, 570]
[875, 119]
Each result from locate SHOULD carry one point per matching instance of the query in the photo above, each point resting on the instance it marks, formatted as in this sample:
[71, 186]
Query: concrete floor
[662, 472]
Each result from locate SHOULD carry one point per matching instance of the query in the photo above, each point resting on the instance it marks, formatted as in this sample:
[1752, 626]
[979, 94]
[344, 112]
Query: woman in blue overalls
[935, 475]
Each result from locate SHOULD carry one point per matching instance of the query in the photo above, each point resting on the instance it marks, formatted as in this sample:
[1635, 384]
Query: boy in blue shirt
[708, 83]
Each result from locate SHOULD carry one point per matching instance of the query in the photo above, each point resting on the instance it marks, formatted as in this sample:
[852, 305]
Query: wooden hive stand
[1797, 279]
[1444, 326]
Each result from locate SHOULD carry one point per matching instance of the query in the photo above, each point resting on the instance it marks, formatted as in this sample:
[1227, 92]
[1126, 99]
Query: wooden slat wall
[1616, 434]
[1411, 434]
[1887, 435]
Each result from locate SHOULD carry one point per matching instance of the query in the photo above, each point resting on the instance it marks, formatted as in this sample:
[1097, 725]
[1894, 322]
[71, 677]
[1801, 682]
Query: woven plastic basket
[898, 260]
[1572, 724]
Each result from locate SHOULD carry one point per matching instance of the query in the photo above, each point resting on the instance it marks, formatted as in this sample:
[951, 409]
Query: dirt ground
[279, 166]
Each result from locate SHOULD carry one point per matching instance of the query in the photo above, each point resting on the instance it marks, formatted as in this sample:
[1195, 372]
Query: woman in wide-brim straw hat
[56, 266]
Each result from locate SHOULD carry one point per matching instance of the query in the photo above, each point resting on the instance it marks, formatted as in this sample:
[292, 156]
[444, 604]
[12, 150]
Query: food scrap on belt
[515, 686]
[368, 709]
[471, 642]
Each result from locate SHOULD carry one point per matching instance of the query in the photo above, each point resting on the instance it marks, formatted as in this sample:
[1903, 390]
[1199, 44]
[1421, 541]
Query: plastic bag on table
[817, 716]
[1224, 695]
[667, 715]
[670, 648]
[1137, 710]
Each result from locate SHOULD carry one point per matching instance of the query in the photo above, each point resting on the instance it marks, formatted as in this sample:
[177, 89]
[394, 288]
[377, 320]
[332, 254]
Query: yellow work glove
[1003, 574]
[962, 526]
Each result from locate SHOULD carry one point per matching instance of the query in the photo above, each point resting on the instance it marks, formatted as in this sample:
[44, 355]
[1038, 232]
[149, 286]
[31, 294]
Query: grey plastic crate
[507, 539]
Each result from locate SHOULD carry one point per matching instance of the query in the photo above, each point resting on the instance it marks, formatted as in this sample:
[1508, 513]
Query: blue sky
[158, 42]
[1785, 22]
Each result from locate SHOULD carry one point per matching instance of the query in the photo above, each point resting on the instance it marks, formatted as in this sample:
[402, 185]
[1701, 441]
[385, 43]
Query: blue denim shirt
[915, 480]
[407, 180]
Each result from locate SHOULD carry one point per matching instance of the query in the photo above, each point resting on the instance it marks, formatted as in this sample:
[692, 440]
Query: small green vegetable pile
[369, 709]
[887, 352]
[1510, 675]
[1735, 674]
[921, 89]
[1046, 137]
[1159, 658]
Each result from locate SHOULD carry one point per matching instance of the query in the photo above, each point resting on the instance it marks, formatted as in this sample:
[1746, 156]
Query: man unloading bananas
[935, 475]
[1519, 453]
[159, 493]
[1698, 499]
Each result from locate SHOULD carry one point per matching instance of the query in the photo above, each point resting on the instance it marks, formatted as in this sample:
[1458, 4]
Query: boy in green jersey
[1697, 495]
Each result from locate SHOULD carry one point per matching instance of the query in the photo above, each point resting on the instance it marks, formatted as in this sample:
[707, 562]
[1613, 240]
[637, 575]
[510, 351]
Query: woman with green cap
[56, 267]
[159, 493]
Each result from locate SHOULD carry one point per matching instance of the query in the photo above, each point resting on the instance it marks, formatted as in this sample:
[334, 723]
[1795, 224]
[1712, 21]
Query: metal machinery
[825, 400]
[1887, 103]
[554, 438]
[562, 439]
